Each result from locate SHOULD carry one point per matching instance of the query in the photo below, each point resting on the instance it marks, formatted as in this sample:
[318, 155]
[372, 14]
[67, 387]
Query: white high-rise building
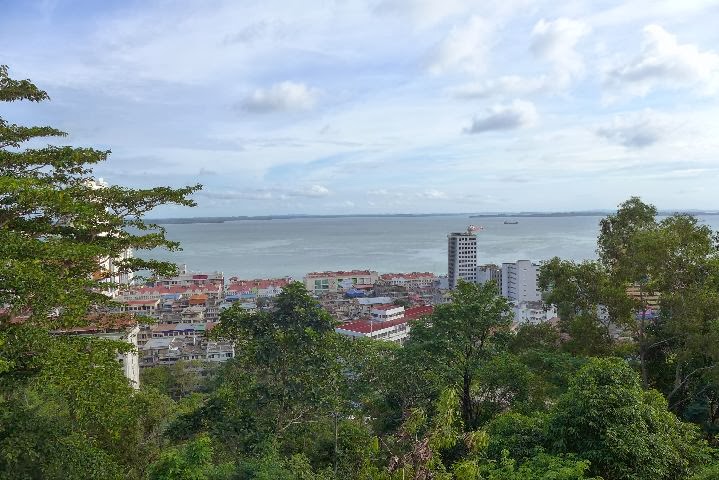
[461, 257]
[519, 281]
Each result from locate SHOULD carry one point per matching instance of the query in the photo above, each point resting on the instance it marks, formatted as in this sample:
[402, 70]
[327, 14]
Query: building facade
[490, 273]
[461, 257]
[519, 281]
[334, 282]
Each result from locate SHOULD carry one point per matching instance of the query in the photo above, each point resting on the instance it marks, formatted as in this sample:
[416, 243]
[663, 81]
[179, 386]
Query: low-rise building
[533, 312]
[391, 327]
[123, 330]
[332, 282]
[413, 280]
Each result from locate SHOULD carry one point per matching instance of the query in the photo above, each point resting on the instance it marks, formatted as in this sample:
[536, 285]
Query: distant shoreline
[595, 213]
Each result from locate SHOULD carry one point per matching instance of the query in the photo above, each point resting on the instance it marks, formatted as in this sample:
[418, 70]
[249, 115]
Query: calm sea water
[271, 248]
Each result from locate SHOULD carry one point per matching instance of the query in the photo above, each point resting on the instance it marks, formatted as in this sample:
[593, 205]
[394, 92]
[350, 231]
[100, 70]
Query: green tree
[58, 227]
[453, 343]
[286, 372]
[624, 431]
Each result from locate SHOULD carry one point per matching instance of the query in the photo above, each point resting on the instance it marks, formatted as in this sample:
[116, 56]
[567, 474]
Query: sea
[295, 246]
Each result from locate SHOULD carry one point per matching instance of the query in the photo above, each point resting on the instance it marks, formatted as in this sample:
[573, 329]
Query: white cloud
[556, 41]
[311, 191]
[665, 63]
[517, 114]
[511, 85]
[465, 48]
[424, 13]
[636, 130]
[271, 193]
[284, 96]
[432, 194]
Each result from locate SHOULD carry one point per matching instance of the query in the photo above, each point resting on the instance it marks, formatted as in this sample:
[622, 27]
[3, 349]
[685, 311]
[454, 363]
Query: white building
[383, 313]
[461, 257]
[388, 324]
[490, 273]
[533, 312]
[519, 281]
[125, 331]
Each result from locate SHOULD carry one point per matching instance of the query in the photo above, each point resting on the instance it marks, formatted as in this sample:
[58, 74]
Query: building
[259, 287]
[387, 324]
[533, 313]
[490, 273]
[462, 257]
[414, 280]
[334, 282]
[519, 281]
[186, 278]
[124, 330]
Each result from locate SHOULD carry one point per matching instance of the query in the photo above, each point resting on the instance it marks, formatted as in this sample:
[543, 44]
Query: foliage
[626, 433]
[451, 345]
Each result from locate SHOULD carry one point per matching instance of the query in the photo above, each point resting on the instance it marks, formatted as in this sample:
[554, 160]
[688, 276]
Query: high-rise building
[462, 257]
[519, 281]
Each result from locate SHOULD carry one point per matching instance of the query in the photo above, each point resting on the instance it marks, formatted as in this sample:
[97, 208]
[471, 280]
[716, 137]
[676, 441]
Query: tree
[286, 371]
[453, 342]
[58, 226]
[623, 431]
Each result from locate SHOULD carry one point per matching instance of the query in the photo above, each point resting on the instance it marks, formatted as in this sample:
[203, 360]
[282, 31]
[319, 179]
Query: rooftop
[341, 273]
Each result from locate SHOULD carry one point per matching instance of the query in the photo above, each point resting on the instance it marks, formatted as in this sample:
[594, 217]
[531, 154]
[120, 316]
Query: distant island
[591, 213]
[178, 221]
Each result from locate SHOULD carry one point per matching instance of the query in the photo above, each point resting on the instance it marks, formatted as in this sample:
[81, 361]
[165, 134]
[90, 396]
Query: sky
[382, 106]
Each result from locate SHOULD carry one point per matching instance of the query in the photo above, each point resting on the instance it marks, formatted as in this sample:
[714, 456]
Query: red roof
[417, 312]
[258, 283]
[142, 302]
[408, 276]
[340, 273]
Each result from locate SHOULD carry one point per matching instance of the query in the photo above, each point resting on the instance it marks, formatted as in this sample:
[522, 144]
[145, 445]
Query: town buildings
[461, 257]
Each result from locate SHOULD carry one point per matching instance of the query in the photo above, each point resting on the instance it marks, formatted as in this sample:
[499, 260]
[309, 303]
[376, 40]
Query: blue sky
[386, 106]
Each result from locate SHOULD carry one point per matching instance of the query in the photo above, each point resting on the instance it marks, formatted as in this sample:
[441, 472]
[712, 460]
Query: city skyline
[382, 106]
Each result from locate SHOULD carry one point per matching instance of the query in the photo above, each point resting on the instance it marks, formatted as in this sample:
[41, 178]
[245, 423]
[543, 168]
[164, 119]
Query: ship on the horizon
[511, 222]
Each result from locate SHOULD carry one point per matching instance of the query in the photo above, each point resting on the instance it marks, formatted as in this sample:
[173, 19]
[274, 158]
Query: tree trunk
[467, 400]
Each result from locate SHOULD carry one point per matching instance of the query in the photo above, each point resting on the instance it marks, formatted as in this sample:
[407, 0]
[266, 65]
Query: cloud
[424, 13]
[432, 194]
[506, 85]
[311, 191]
[465, 48]
[635, 130]
[555, 41]
[665, 63]
[272, 193]
[284, 96]
[517, 114]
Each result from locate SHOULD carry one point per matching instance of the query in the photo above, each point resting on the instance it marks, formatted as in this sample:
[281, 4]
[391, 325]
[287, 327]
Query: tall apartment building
[519, 281]
[461, 257]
